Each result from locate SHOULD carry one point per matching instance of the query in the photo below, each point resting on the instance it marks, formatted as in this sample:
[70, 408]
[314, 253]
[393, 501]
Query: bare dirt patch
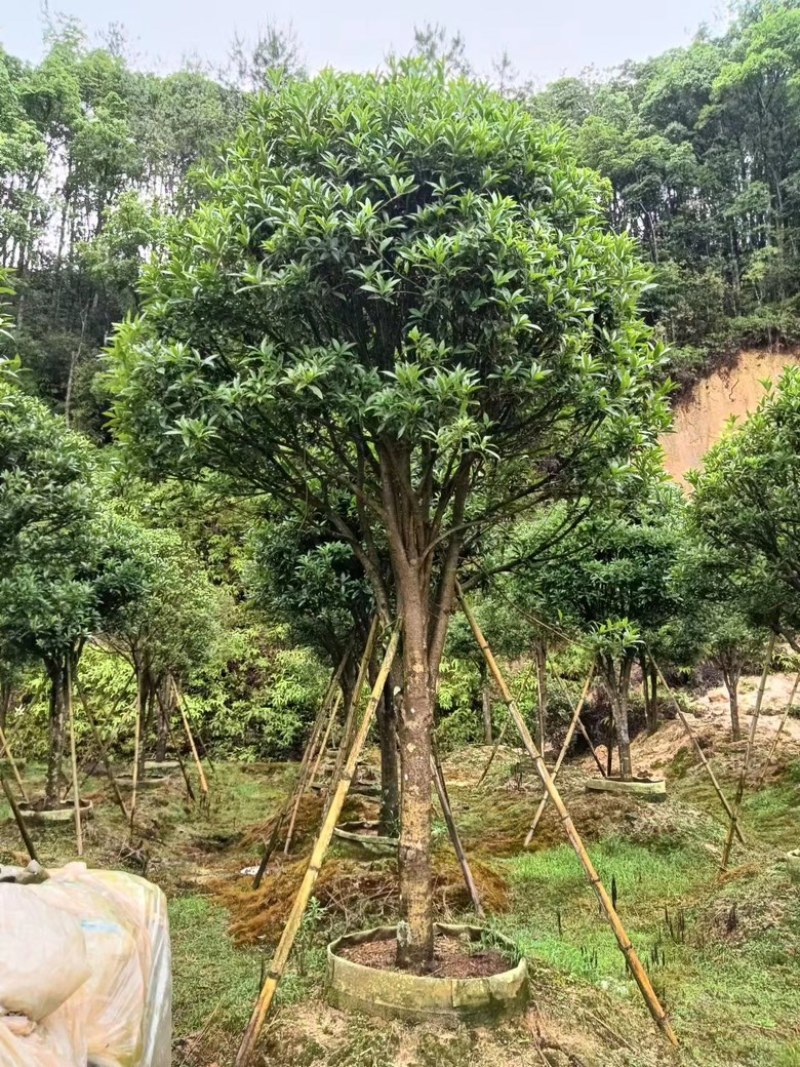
[452, 958]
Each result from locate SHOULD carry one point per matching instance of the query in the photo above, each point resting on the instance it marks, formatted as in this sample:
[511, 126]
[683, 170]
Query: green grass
[209, 972]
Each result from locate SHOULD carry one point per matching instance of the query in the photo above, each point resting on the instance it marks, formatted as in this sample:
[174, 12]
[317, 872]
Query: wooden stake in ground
[137, 736]
[606, 905]
[14, 769]
[351, 711]
[554, 773]
[272, 842]
[329, 707]
[461, 856]
[21, 826]
[702, 756]
[778, 733]
[184, 718]
[103, 751]
[186, 779]
[492, 754]
[338, 798]
[73, 752]
[751, 736]
[323, 745]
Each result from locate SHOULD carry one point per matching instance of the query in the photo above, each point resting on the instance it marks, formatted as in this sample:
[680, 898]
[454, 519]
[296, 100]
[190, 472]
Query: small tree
[170, 628]
[400, 289]
[746, 505]
[60, 574]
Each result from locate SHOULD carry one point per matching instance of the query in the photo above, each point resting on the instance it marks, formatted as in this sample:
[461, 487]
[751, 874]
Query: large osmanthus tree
[400, 288]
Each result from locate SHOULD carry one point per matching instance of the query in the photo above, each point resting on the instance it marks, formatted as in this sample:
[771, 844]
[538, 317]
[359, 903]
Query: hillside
[731, 391]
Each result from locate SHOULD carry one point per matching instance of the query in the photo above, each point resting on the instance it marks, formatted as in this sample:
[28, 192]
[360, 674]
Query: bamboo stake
[461, 856]
[272, 842]
[178, 757]
[14, 767]
[103, 751]
[751, 737]
[554, 773]
[338, 798]
[352, 706]
[136, 743]
[592, 749]
[201, 773]
[324, 743]
[702, 756]
[606, 905]
[778, 733]
[328, 707]
[492, 754]
[18, 819]
[73, 754]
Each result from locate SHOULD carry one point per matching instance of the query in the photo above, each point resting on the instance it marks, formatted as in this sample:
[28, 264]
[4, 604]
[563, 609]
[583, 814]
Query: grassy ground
[723, 953]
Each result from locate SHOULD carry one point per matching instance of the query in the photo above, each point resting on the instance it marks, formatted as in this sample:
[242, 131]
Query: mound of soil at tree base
[309, 817]
[700, 416]
[451, 958]
[357, 892]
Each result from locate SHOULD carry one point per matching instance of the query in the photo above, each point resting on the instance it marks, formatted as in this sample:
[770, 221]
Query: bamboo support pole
[103, 751]
[458, 848]
[324, 715]
[606, 905]
[492, 754]
[186, 779]
[137, 738]
[272, 842]
[188, 730]
[592, 749]
[338, 798]
[14, 768]
[701, 755]
[350, 715]
[751, 737]
[778, 733]
[554, 773]
[323, 745]
[73, 755]
[18, 819]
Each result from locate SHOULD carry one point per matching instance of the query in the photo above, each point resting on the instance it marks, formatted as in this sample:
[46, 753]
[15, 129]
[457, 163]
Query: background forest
[700, 147]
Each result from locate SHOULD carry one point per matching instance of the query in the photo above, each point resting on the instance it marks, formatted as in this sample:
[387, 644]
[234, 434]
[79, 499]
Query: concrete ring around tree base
[388, 994]
[362, 841]
[65, 813]
[147, 781]
[646, 788]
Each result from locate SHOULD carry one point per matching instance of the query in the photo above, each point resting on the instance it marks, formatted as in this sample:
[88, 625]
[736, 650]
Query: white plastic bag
[42, 954]
[128, 996]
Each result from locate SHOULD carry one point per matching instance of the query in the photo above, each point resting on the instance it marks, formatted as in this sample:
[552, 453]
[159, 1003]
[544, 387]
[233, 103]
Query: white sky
[544, 38]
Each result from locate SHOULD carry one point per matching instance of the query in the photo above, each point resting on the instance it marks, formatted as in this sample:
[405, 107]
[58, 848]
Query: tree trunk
[618, 686]
[415, 935]
[390, 771]
[55, 756]
[731, 678]
[650, 691]
[165, 705]
[540, 652]
[486, 707]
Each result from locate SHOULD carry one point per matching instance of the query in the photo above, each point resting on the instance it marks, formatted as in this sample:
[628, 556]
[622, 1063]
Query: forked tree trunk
[52, 794]
[540, 654]
[731, 678]
[618, 685]
[415, 946]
